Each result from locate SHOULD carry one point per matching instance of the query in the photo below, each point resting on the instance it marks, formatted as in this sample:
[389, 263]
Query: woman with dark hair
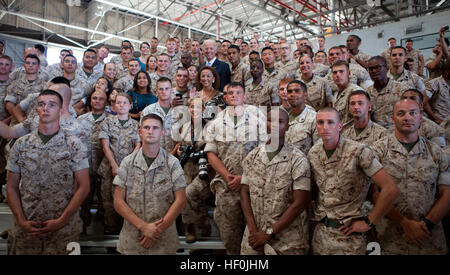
[141, 94]
[84, 105]
[145, 53]
[150, 67]
[207, 84]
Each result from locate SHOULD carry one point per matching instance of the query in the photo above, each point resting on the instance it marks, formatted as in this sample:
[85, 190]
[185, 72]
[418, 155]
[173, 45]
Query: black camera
[199, 157]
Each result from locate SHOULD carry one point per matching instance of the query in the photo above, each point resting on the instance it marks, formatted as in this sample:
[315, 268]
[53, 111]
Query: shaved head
[64, 91]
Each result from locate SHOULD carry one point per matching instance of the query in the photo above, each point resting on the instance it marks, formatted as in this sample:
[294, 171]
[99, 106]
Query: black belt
[331, 223]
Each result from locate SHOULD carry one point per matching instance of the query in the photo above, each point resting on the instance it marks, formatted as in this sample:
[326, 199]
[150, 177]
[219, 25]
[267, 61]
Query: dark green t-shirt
[46, 138]
[235, 118]
[96, 116]
[148, 160]
[166, 110]
[410, 145]
[359, 130]
[122, 122]
[329, 152]
[270, 70]
[271, 155]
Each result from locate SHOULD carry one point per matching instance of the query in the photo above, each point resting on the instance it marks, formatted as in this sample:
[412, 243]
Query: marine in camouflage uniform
[169, 119]
[47, 185]
[319, 92]
[197, 190]
[271, 185]
[275, 76]
[3, 114]
[358, 76]
[231, 143]
[125, 83]
[414, 54]
[149, 194]
[302, 130]
[372, 133]
[409, 79]
[87, 123]
[440, 99]
[53, 71]
[241, 73]
[320, 69]
[91, 79]
[340, 101]
[263, 93]
[20, 88]
[419, 174]
[342, 182]
[122, 140]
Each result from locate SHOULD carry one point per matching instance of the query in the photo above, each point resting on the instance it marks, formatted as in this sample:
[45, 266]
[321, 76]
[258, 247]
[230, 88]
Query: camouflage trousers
[228, 217]
[330, 241]
[85, 212]
[35, 246]
[113, 221]
[196, 210]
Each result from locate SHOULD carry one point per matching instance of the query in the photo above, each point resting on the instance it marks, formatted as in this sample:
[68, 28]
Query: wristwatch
[428, 223]
[269, 231]
[369, 223]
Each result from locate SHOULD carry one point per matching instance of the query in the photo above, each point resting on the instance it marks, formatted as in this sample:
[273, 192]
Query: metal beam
[118, 6]
[277, 16]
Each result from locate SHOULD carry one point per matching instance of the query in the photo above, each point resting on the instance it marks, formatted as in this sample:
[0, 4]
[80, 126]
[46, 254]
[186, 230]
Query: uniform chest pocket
[282, 196]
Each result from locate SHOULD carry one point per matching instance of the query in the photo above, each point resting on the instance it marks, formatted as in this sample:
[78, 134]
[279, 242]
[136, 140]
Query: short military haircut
[266, 49]
[320, 51]
[330, 110]
[53, 93]
[334, 48]
[355, 36]
[398, 47]
[40, 48]
[246, 43]
[126, 48]
[284, 81]
[7, 57]
[226, 41]
[152, 116]
[235, 47]
[409, 40]
[359, 92]
[65, 50]
[163, 79]
[92, 50]
[302, 85]
[259, 61]
[69, 55]
[340, 63]
[378, 57]
[236, 84]
[419, 94]
[33, 56]
[184, 69]
[254, 52]
[392, 38]
[133, 60]
[60, 80]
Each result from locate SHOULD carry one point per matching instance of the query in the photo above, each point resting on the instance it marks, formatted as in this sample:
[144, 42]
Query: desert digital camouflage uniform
[274, 77]
[175, 62]
[231, 143]
[117, 59]
[290, 67]
[418, 175]
[410, 79]
[446, 125]
[302, 132]
[197, 190]
[264, 93]
[320, 69]
[358, 76]
[414, 54]
[79, 87]
[319, 92]
[440, 100]
[52, 71]
[271, 185]
[19, 72]
[122, 140]
[362, 56]
[46, 187]
[245, 60]
[430, 131]
[169, 119]
[436, 72]
[149, 194]
[87, 122]
[90, 80]
[125, 83]
[373, 132]
[122, 70]
[387, 55]
[383, 101]
[241, 73]
[340, 101]
[343, 184]
[3, 114]
[29, 104]
[20, 88]
[195, 61]
[155, 77]
[69, 124]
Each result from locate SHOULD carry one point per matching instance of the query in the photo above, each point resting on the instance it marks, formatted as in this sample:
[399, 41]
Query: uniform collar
[336, 155]
[302, 116]
[56, 140]
[282, 156]
[395, 145]
[139, 160]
